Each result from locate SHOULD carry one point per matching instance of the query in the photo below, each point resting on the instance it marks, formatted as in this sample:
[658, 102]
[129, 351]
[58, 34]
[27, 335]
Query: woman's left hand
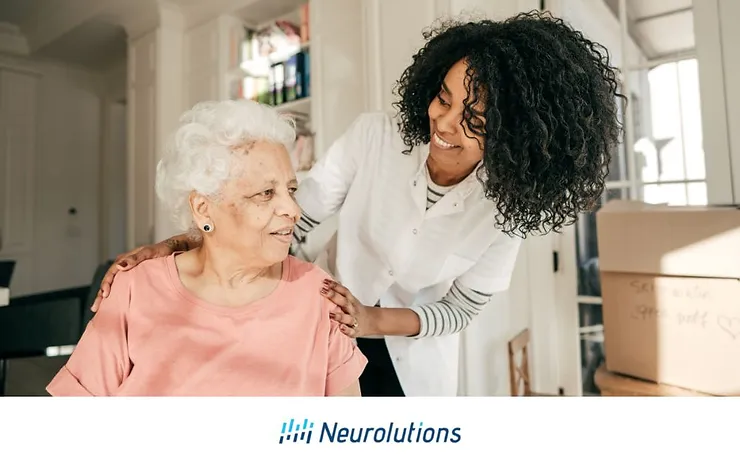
[353, 316]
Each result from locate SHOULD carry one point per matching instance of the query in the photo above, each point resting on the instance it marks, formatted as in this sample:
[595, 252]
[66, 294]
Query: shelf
[302, 105]
[262, 11]
[260, 67]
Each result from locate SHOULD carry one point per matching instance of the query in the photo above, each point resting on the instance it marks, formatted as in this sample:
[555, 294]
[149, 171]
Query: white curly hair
[200, 153]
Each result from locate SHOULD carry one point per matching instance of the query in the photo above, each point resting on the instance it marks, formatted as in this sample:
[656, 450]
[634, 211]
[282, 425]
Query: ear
[200, 205]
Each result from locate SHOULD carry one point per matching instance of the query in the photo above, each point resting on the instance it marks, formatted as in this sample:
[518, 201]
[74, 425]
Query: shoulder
[374, 125]
[379, 135]
[305, 281]
[151, 272]
[153, 268]
[370, 119]
[303, 272]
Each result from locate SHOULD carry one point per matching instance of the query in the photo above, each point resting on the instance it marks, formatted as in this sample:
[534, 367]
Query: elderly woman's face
[257, 210]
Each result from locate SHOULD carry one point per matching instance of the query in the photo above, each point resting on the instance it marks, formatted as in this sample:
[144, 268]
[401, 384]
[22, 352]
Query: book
[291, 74]
[278, 70]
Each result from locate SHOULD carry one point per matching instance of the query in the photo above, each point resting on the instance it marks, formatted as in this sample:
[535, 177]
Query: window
[670, 159]
[664, 165]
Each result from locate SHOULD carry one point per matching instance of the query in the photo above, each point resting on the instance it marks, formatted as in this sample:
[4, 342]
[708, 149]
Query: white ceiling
[18, 11]
[95, 43]
[660, 27]
[92, 33]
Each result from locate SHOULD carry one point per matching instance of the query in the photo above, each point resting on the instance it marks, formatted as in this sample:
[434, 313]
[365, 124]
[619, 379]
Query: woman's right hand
[129, 260]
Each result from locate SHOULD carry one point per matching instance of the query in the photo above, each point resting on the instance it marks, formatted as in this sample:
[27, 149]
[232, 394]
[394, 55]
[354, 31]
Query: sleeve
[492, 273]
[304, 225]
[322, 192]
[451, 314]
[346, 361]
[100, 362]
[470, 292]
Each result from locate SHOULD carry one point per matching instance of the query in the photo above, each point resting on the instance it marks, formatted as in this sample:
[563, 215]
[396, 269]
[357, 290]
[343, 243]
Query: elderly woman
[238, 315]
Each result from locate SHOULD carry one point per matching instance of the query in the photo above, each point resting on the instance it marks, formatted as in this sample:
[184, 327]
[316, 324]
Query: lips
[284, 232]
[284, 235]
[442, 143]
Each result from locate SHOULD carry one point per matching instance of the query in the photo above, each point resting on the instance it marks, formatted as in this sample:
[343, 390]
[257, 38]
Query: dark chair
[31, 324]
[28, 329]
[6, 273]
[94, 287]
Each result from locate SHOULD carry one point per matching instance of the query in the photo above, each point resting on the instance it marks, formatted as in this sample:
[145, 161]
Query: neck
[443, 177]
[230, 270]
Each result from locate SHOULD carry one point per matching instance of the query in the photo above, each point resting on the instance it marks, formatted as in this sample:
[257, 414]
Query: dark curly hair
[550, 121]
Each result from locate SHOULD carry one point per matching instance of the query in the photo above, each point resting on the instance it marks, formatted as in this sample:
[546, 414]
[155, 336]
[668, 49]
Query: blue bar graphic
[290, 429]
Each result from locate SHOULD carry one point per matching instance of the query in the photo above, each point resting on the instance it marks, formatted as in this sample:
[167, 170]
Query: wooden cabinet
[18, 93]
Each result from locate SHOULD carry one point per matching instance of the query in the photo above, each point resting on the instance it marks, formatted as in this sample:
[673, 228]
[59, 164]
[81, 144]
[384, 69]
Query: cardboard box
[670, 281]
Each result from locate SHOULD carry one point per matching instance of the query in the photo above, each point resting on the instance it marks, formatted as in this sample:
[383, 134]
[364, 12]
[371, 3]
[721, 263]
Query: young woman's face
[454, 149]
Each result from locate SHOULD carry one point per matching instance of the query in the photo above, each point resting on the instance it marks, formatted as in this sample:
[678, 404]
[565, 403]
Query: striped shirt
[447, 316]
[435, 192]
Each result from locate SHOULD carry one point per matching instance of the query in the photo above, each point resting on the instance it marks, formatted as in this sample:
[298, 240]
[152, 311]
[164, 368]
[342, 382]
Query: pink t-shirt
[153, 337]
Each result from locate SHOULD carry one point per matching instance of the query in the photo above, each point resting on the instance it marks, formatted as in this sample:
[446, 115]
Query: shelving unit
[302, 105]
[269, 61]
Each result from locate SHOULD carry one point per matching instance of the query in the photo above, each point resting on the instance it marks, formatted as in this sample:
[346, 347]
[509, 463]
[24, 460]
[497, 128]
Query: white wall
[113, 176]
[598, 23]
[717, 36]
[67, 161]
[65, 175]
[141, 107]
[113, 180]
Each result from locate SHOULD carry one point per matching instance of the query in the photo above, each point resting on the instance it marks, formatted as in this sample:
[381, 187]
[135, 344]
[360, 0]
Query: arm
[467, 297]
[129, 260]
[352, 390]
[183, 242]
[100, 362]
[451, 314]
[345, 364]
[322, 193]
[304, 225]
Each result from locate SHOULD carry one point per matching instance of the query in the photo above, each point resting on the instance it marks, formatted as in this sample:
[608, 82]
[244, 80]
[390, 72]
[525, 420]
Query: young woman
[503, 129]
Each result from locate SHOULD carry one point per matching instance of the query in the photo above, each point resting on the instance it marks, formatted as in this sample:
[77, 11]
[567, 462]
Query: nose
[446, 121]
[288, 207]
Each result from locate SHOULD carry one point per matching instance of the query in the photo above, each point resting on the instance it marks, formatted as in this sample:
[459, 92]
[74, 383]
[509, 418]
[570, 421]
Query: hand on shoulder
[129, 260]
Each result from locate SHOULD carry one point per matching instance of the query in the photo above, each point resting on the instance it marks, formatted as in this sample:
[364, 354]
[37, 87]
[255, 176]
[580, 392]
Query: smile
[284, 235]
[442, 143]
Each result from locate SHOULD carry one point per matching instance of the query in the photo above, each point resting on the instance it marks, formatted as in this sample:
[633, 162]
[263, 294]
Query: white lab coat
[389, 248]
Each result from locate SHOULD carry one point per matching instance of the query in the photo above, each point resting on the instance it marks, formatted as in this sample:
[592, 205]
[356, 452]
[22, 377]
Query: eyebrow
[445, 88]
[273, 183]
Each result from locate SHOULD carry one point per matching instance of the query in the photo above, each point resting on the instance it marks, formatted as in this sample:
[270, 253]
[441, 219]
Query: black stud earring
[207, 227]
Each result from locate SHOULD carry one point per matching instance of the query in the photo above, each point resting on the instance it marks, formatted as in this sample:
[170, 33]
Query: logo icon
[296, 431]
